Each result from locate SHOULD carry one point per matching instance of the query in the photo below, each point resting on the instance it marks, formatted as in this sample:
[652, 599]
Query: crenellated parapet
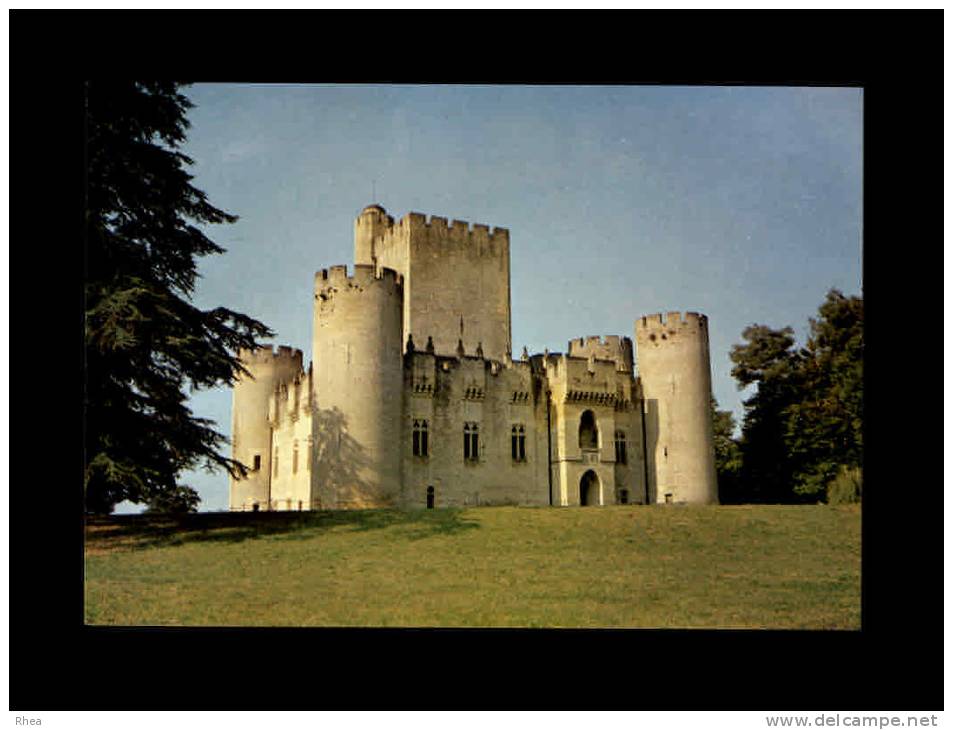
[610, 347]
[268, 355]
[657, 328]
[575, 379]
[416, 230]
[328, 282]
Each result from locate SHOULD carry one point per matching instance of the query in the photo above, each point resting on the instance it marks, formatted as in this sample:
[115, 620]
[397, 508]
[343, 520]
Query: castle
[413, 398]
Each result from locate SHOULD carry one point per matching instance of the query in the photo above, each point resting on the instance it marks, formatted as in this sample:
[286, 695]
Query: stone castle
[413, 398]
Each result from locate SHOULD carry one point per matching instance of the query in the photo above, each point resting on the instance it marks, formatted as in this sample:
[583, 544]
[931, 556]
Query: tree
[727, 454]
[769, 361]
[145, 340]
[803, 425]
[824, 428]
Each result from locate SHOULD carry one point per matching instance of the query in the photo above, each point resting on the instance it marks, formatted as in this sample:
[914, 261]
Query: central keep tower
[456, 278]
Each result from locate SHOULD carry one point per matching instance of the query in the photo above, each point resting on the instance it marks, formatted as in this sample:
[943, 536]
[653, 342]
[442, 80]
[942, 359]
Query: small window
[294, 462]
[518, 442]
[420, 438]
[257, 462]
[620, 454]
[668, 498]
[624, 496]
[275, 459]
[430, 497]
[471, 442]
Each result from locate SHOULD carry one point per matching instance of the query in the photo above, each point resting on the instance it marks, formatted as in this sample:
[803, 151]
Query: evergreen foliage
[727, 453]
[145, 341]
[803, 425]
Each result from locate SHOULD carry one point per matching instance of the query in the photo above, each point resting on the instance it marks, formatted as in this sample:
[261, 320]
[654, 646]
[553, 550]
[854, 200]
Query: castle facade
[413, 398]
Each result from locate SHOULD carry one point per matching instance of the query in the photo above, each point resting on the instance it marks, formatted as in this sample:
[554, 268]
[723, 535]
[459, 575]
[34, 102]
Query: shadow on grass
[146, 531]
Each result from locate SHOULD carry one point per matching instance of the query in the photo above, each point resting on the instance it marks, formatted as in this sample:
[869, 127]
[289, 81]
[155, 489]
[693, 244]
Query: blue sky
[743, 203]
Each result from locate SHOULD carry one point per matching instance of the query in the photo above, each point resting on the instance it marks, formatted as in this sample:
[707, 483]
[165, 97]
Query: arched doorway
[589, 489]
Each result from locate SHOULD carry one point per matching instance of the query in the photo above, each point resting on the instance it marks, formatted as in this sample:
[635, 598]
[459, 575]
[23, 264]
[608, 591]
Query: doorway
[589, 489]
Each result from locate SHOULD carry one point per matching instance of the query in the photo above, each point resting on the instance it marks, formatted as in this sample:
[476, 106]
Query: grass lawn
[624, 566]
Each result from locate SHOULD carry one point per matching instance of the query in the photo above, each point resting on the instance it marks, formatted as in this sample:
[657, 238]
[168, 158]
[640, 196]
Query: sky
[742, 203]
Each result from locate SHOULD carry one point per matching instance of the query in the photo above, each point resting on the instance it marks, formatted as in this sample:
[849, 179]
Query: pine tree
[145, 341]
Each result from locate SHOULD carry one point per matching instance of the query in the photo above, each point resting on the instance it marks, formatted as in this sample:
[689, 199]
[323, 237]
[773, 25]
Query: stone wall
[454, 275]
[357, 387]
[251, 430]
[449, 393]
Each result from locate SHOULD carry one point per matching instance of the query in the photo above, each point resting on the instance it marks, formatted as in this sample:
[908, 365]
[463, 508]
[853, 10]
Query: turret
[251, 431]
[368, 227]
[358, 379]
[675, 372]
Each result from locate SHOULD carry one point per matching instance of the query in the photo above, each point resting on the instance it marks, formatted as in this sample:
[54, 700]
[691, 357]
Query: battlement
[436, 228]
[655, 325]
[610, 347]
[268, 354]
[336, 277]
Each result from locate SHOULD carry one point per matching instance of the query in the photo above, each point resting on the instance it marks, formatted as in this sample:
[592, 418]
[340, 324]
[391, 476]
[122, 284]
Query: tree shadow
[137, 532]
[343, 469]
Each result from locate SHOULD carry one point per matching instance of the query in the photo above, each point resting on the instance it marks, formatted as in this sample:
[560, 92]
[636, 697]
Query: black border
[894, 663]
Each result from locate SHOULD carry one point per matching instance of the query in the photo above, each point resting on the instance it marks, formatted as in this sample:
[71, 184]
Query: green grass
[626, 566]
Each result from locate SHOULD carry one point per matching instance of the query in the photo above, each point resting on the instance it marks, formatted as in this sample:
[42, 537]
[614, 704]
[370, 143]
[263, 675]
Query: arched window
[275, 460]
[588, 431]
[471, 441]
[294, 462]
[430, 497]
[518, 442]
[620, 455]
[420, 437]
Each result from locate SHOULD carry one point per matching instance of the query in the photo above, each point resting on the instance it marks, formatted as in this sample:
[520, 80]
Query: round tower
[369, 225]
[358, 385]
[675, 372]
[251, 430]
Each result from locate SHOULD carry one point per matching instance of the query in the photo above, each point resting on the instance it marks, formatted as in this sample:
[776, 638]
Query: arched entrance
[589, 489]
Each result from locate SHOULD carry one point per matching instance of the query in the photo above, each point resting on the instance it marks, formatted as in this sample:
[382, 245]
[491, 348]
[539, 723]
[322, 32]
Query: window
[588, 431]
[430, 497]
[275, 459]
[294, 463]
[420, 438]
[624, 496]
[518, 442]
[257, 462]
[620, 455]
[471, 442]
